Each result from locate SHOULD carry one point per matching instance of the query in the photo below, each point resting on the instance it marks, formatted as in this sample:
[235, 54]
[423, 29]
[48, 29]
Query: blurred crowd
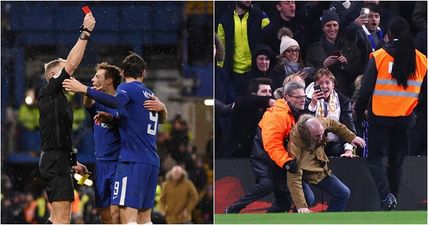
[29, 205]
[279, 40]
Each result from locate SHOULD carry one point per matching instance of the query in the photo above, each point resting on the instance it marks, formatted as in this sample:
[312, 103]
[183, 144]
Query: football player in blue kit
[107, 142]
[138, 164]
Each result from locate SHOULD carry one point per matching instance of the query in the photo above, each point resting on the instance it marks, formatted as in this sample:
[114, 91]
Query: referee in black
[56, 118]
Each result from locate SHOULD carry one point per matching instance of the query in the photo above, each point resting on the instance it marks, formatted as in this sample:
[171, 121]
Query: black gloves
[290, 166]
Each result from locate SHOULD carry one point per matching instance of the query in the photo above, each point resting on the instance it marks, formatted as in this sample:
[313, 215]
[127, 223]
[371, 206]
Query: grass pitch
[396, 217]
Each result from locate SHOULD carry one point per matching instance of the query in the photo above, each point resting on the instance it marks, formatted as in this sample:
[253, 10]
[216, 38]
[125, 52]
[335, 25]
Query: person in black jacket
[270, 177]
[56, 118]
[366, 33]
[263, 61]
[245, 114]
[341, 57]
[301, 17]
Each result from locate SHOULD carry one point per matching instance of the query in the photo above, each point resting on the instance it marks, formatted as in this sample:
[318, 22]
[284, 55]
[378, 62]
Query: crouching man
[307, 142]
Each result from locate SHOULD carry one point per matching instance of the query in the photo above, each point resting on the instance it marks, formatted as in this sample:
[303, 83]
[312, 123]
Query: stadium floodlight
[209, 102]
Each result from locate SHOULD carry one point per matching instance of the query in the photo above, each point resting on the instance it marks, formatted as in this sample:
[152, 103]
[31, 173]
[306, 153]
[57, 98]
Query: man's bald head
[315, 128]
[310, 129]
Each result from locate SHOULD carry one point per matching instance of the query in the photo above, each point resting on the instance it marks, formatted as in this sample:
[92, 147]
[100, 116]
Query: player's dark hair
[133, 66]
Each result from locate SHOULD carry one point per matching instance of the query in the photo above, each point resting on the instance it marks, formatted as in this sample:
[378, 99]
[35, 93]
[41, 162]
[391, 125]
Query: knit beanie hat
[329, 15]
[287, 42]
[262, 49]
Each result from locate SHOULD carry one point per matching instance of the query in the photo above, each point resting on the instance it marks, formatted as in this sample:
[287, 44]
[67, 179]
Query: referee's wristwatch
[84, 36]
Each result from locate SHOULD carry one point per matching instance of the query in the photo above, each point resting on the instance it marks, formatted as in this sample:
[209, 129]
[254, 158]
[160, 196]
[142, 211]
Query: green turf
[397, 217]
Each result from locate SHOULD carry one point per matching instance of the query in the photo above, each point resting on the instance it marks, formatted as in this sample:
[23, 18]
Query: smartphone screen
[317, 87]
[365, 12]
[337, 53]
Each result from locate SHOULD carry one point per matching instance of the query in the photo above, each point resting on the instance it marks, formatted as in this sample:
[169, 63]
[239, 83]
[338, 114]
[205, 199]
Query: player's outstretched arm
[74, 85]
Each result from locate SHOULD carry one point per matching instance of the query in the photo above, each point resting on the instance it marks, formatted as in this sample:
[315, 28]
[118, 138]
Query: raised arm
[76, 54]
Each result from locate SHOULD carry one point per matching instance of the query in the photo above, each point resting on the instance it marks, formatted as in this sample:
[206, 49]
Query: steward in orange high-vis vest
[388, 93]
[395, 83]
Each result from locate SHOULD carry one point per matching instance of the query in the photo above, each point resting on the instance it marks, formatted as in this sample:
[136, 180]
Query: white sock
[148, 223]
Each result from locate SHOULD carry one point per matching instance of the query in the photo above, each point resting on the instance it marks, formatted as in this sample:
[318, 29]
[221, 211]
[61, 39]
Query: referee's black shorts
[54, 167]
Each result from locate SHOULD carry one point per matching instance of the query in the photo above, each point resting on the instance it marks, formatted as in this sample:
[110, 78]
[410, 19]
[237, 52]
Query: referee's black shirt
[56, 116]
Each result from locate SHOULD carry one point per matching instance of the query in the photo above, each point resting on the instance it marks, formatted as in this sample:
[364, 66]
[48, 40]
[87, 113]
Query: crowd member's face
[287, 9]
[176, 172]
[264, 90]
[292, 53]
[244, 4]
[99, 79]
[297, 99]
[331, 29]
[326, 84]
[374, 21]
[317, 133]
[372, 1]
[262, 62]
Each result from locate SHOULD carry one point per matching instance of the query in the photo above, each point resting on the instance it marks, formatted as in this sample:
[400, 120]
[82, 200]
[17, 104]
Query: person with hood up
[263, 61]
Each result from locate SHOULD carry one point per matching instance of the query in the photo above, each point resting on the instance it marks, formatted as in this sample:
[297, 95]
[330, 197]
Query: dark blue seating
[39, 23]
[29, 140]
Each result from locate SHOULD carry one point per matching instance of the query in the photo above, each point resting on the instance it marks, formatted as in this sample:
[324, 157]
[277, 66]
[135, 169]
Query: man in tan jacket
[179, 197]
[307, 142]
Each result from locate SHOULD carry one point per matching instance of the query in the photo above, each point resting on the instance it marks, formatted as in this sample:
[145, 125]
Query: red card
[86, 9]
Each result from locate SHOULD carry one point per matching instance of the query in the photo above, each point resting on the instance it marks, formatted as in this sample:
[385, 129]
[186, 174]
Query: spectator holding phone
[365, 31]
[330, 103]
[289, 60]
[333, 52]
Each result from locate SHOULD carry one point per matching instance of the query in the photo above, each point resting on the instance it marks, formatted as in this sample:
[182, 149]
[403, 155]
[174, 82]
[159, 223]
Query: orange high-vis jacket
[390, 99]
[275, 126]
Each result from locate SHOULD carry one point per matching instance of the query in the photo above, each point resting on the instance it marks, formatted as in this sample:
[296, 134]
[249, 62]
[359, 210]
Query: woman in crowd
[289, 60]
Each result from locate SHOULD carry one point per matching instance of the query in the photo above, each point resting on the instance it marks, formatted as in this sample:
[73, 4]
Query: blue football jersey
[106, 136]
[138, 126]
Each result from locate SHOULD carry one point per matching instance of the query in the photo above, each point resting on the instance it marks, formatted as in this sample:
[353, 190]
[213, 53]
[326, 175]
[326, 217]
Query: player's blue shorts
[105, 172]
[135, 185]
